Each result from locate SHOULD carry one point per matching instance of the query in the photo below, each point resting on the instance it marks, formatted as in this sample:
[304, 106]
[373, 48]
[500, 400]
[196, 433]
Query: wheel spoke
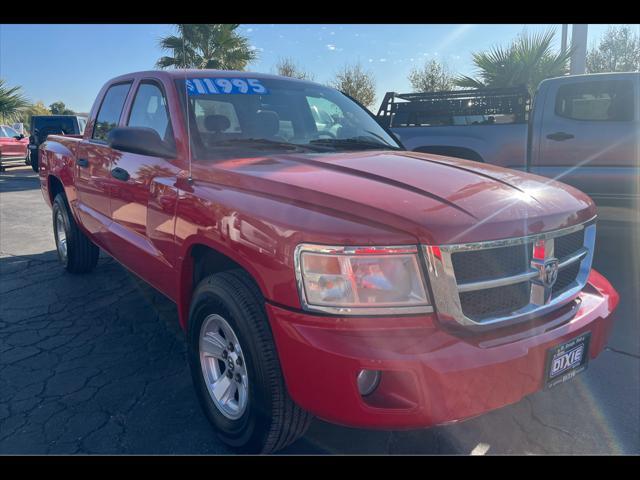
[212, 344]
[223, 389]
[61, 236]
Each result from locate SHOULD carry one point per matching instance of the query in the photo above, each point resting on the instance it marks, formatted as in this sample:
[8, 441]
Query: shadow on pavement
[617, 257]
[18, 179]
[92, 364]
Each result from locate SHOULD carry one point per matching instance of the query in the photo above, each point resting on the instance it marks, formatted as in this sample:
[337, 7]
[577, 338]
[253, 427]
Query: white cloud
[331, 46]
[382, 60]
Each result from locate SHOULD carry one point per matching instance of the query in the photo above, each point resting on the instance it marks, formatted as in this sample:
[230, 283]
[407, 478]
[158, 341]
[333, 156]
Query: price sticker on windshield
[225, 86]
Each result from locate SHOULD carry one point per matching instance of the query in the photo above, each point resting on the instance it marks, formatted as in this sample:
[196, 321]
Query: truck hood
[439, 200]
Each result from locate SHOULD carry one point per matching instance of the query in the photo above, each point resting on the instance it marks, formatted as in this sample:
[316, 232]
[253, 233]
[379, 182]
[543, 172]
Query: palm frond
[528, 60]
[12, 102]
[210, 45]
[464, 81]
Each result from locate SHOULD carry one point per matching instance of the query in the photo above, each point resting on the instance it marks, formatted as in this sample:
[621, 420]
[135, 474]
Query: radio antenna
[186, 102]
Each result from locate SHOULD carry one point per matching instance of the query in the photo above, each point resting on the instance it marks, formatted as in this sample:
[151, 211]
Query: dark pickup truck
[583, 130]
[45, 125]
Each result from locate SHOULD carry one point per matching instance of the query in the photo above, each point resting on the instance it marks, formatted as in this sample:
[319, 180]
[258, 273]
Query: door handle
[559, 136]
[83, 162]
[120, 174]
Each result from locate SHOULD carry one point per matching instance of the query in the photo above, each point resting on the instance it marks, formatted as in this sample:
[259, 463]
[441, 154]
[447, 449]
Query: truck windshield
[285, 116]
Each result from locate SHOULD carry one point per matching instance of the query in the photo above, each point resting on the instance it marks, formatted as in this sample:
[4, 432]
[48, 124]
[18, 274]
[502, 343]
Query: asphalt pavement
[96, 364]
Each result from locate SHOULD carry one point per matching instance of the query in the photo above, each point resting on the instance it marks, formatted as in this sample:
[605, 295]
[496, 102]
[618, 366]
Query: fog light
[368, 381]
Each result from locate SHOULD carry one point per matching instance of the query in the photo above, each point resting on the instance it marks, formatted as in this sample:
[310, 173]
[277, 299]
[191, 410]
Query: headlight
[361, 280]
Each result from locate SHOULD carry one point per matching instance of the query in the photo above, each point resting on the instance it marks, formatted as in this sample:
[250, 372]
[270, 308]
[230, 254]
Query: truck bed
[505, 145]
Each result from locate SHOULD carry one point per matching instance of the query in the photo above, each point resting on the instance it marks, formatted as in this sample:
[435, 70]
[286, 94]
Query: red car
[318, 267]
[13, 145]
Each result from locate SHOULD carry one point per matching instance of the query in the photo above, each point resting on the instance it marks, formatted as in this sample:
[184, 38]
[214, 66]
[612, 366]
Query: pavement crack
[622, 352]
[546, 425]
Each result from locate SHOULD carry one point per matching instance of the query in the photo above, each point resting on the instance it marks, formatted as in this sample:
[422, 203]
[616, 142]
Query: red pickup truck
[319, 268]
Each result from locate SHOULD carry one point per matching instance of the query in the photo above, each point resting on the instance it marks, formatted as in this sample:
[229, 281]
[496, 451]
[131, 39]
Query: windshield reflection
[292, 117]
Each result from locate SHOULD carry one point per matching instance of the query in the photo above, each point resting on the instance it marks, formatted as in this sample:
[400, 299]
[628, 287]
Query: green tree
[59, 108]
[528, 60]
[433, 76]
[287, 67]
[37, 108]
[617, 51]
[207, 45]
[357, 83]
[12, 102]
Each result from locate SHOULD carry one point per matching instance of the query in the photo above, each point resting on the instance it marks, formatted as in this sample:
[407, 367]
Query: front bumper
[430, 376]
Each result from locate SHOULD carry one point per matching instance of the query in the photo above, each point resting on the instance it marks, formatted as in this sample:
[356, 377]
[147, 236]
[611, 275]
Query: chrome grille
[568, 244]
[476, 265]
[566, 277]
[501, 281]
[480, 304]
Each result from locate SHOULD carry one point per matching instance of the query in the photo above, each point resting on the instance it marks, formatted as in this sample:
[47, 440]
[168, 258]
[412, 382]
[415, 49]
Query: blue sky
[71, 62]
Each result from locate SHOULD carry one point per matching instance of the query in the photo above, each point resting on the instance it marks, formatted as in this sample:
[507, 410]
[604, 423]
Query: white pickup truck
[583, 130]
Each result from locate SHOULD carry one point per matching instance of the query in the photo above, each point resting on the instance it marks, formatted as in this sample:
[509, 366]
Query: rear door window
[110, 110]
[598, 100]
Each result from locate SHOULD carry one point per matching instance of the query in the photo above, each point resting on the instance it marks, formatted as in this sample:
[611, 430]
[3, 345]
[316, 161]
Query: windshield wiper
[260, 143]
[353, 143]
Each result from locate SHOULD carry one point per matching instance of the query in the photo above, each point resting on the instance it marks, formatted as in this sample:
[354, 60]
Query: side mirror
[19, 136]
[140, 140]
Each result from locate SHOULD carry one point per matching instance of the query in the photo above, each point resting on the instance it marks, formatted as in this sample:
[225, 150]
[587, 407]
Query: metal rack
[440, 108]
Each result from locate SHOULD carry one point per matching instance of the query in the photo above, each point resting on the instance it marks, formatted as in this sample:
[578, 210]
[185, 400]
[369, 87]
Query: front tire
[240, 386]
[76, 252]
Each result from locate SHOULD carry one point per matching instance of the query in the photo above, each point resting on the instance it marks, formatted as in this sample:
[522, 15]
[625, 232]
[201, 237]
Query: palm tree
[12, 102]
[210, 45]
[527, 61]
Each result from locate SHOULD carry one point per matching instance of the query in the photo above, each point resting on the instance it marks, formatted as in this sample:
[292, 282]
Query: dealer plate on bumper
[567, 360]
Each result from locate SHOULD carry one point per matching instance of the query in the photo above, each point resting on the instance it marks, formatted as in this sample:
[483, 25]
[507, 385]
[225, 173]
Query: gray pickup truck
[583, 130]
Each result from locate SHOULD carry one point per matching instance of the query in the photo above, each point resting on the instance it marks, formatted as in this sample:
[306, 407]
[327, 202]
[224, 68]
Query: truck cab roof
[179, 74]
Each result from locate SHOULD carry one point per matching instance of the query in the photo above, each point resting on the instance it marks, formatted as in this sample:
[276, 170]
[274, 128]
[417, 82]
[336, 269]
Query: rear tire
[76, 252]
[269, 420]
